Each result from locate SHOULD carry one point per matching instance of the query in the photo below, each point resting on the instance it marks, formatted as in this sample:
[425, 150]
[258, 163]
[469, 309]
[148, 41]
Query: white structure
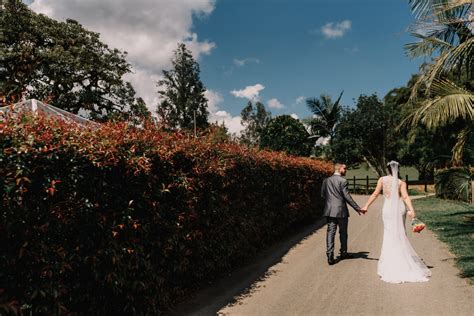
[36, 106]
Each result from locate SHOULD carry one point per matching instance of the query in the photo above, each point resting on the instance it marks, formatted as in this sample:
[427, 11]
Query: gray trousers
[333, 222]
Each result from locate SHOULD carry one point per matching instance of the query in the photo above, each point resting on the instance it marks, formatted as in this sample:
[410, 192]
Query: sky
[278, 52]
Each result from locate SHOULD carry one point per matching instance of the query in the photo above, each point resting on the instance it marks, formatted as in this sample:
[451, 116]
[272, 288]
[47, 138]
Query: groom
[336, 193]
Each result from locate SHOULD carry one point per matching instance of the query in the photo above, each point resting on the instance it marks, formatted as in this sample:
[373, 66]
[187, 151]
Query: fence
[367, 185]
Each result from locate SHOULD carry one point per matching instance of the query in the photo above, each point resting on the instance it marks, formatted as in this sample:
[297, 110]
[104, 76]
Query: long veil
[398, 261]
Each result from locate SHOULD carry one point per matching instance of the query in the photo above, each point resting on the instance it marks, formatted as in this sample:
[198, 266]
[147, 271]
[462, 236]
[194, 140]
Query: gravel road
[293, 278]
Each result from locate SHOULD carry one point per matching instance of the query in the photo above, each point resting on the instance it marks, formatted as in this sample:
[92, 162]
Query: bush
[453, 184]
[123, 220]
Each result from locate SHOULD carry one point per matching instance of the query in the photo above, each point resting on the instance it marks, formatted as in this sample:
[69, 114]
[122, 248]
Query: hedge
[123, 220]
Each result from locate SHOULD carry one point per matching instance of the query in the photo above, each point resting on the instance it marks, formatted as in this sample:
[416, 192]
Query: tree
[284, 133]
[63, 64]
[420, 147]
[254, 119]
[220, 133]
[368, 134]
[182, 93]
[326, 115]
[444, 28]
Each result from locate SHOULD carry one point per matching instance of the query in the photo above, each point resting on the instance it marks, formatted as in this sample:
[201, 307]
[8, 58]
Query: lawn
[453, 223]
[364, 171]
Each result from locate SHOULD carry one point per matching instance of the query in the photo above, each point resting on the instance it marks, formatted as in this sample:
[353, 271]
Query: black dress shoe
[346, 255]
[331, 260]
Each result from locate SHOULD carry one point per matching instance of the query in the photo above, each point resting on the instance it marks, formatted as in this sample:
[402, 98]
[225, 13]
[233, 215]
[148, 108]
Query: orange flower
[418, 228]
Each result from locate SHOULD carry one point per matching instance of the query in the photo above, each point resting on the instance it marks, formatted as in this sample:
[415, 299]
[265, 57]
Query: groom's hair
[337, 166]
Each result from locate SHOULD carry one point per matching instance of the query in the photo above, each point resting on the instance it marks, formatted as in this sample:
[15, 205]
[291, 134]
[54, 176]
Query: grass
[453, 223]
[364, 171]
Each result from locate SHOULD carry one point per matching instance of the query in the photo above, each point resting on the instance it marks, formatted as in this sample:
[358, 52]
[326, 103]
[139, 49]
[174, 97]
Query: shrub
[124, 220]
[453, 184]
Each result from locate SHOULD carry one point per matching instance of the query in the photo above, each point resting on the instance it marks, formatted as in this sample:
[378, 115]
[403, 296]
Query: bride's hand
[411, 214]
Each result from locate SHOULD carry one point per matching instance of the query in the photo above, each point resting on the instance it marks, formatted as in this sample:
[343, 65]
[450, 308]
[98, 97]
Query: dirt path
[293, 278]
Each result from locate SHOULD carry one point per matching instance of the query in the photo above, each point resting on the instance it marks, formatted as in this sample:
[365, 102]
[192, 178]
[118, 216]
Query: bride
[398, 261]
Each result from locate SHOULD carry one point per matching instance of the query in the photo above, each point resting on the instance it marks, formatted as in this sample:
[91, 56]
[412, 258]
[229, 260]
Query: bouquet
[417, 225]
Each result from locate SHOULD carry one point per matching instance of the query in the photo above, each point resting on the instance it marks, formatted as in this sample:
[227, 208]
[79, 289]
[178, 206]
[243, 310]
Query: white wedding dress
[398, 261]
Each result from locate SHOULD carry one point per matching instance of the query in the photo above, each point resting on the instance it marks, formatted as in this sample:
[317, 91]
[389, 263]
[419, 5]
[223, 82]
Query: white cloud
[275, 104]
[148, 30]
[218, 115]
[233, 123]
[294, 116]
[300, 99]
[213, 100]
[249, 92]
[352, 50]
[336, 29]
[243, 62]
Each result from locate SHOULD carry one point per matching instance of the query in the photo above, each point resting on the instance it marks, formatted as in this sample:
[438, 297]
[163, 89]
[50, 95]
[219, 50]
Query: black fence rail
[367, 185]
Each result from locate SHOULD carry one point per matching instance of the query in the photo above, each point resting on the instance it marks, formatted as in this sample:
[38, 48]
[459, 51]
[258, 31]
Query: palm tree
[445, 29]
[326, 115]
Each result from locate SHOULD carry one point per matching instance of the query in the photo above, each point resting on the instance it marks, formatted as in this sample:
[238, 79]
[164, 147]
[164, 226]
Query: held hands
[362, 210]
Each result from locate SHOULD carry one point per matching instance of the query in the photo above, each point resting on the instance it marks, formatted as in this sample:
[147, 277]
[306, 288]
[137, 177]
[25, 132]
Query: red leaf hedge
[124, 220]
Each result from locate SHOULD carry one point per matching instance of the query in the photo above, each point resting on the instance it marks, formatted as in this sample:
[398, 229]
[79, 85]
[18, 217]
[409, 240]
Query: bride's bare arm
[407, 200]
[375, 194]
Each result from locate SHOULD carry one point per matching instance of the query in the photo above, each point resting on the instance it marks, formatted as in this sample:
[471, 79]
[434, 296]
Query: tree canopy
[182, 93]
[444, 30]
[63, 64]
[368, 133]
[255, 119]
[284, 133]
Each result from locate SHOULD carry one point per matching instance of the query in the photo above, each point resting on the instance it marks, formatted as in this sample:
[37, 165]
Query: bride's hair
[389, 168]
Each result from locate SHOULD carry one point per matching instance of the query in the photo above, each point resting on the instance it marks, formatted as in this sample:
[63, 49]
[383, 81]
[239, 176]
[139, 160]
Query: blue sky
[276, 51]
[291, 57]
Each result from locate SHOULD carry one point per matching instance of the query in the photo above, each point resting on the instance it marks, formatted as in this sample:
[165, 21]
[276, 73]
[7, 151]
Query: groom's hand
[362, 210]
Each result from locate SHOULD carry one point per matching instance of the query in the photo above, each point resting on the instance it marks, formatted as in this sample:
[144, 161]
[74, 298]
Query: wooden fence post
[426, 186]
[366, 185]
[472, 192]
[406, 180]
[354, 184]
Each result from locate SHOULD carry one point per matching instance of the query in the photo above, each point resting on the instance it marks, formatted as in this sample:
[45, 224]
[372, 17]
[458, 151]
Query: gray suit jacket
[336, 192]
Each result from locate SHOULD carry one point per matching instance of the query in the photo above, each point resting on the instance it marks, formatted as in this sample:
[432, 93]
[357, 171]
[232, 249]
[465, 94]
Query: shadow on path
[361, 255]
[241, 282]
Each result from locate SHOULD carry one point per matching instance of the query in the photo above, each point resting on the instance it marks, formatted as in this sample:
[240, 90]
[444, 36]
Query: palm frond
[422, 8]
[339, 98]
[318, 126]
[326, 101]
[451, 102]
[459, 7]
[425, 47]
[461, 55]
[459, 147]
[425, 9]
[315, 106]
[336, 110]
[421, 82]
[455, 57]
